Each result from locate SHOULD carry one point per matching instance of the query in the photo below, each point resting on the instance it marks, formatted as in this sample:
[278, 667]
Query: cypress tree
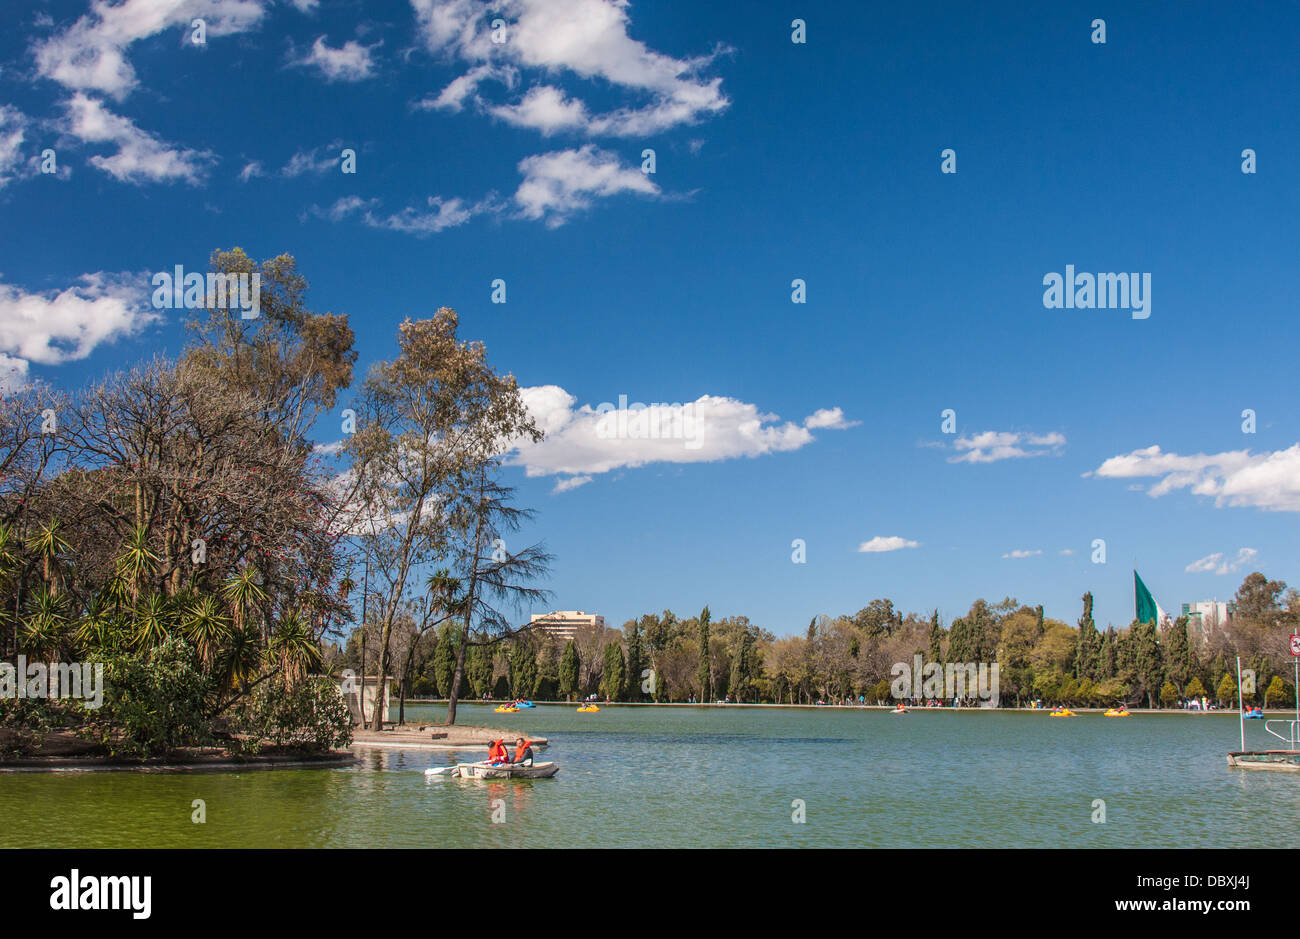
[704, 674]
[570, 669]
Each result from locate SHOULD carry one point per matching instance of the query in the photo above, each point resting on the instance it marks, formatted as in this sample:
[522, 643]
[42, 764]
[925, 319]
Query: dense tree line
[665, 658]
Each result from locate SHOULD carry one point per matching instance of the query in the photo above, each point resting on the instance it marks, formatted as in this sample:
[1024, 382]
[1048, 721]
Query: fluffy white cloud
[62, 326]
[250, 170]
[993, 445]
[351, 62]
[586, 440]
[1268, 480]
[890, 543]
[90, 55]
[544, 108]
[562, 182]
[585, 38]
[1023, 553]
[1215, 563]
[828, 419]
[140, 156]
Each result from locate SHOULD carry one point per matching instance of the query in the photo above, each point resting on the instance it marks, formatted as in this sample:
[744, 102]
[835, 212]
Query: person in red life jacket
[497, 752]
[523, 752]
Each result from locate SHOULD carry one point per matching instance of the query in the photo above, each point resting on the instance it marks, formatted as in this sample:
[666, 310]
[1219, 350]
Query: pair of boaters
[499, 753]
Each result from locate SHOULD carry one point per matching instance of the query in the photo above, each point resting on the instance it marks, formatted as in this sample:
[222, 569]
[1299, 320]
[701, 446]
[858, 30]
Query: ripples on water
[716, 777]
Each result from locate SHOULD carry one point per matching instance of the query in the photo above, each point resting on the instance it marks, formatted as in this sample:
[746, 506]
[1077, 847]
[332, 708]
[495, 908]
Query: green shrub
[153, 702]
[310, 716]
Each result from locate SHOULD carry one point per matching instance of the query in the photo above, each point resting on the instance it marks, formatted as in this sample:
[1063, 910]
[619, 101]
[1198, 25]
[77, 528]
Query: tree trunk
[456, 678]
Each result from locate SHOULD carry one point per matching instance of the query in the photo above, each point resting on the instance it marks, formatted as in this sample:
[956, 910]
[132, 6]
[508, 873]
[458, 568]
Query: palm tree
[240, 660]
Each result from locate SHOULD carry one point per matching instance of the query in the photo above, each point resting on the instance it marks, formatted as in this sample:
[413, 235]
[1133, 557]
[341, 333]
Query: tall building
[562, 624]
[1205, 617]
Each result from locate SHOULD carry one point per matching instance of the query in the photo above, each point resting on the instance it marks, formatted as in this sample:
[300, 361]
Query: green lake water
[715, 777]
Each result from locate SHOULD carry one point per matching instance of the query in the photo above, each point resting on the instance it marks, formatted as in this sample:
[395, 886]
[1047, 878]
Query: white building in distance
[1205, 617]
[563, 624]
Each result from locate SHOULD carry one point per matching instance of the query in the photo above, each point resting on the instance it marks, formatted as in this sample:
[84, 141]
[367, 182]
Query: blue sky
[774, 161]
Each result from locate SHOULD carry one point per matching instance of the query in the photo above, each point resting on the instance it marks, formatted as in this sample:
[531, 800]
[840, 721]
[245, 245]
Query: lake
[715, 777]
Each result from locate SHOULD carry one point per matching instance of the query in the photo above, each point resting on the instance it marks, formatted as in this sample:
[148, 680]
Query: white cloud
[250, 170]
[544, 108]
[62, 326]
[90, 55]
[316, 160]
[350, 62]
[562, 182]
[305, 6]
[572, 482]
[440, 214]
[992, 445]
[585, 441]
[1268, 480]
[882, 543]
[1022, 553]
[140, 156]
[585, 38]
[463, 87]
[13, 374]
[1215, 562]
[12, 133]
[828, 419]
[1065, 552]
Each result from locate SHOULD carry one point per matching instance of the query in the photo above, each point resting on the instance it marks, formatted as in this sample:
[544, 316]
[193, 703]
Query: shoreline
[199, 764]
[1280, 712]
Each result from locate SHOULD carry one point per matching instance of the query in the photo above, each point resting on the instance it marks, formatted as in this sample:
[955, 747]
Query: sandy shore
[439, 737]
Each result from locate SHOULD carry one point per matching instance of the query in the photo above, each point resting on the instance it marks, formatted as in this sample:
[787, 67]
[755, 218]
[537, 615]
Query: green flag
[1145, 608]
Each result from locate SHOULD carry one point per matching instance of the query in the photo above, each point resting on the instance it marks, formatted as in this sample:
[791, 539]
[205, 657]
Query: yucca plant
[48, 544]
[293, 649]
[206, 627]
[137, 561]
[152, 620]
[45, 627]
[242, 592]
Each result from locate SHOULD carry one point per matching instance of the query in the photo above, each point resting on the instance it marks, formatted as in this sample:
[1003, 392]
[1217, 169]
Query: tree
[1194, 688]
[635, 661]
[523, 668]
[1277, 692]
[570, 669]
[1085, 662]
[431, 424]
[444, 659]
[1178, 664]
[614, 676]
[704, 674]
[936, 638]
[1168, 695]
[1147, 659]
[1226, 693]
